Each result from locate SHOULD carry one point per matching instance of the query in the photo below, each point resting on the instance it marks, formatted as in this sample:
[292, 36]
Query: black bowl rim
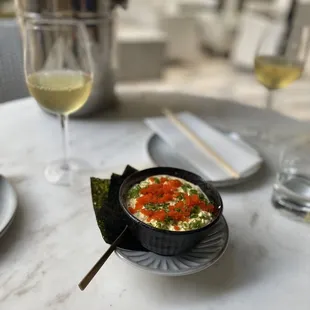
[167, 169]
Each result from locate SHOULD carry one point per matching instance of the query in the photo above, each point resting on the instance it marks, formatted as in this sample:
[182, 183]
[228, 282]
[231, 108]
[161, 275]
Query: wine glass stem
[269, 100]
[64, 132]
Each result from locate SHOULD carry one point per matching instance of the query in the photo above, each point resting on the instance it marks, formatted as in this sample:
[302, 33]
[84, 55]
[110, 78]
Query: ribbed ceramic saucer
[205, 254]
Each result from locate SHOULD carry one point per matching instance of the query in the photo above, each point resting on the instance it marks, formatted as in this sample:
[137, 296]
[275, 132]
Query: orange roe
[165, 192]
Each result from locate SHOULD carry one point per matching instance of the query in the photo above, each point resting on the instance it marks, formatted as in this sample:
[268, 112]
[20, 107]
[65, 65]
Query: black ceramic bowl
[166, 242]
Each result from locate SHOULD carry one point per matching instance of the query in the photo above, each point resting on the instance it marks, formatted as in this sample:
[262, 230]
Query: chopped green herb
[186, 187]
[160, 225]
[156, 180]
[195, 224]
[203, 198]
[134, 191]
[203, 216]
[166, 207]
[150, 206]
[156, 207]
[195, 211]
[168, 220]
[185, 225]
[193, 192]
[180, 197]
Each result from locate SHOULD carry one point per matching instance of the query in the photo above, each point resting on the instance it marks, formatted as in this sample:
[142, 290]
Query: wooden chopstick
[200, 143]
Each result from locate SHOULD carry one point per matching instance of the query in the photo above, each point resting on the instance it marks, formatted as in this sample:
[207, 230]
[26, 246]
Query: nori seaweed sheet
[110, 217]
[99, 192]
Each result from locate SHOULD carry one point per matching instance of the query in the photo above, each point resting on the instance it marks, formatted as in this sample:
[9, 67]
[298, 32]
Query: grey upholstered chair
[12, 81]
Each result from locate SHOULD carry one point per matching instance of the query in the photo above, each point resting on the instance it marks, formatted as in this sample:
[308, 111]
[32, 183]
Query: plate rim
[190, 271]
[6, 228]
[222, 183]
[8, 222]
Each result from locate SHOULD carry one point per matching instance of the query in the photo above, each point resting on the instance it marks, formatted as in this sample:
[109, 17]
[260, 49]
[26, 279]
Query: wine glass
[59, 75]
[279, 65]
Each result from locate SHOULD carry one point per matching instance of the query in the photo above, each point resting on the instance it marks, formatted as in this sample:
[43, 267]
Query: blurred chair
[193, 7]
[12, 81]
[250, 31]
[216, 32]
[276, 9]
[178, 20]
[217, 29]
[300, 20]
[183, 40]
[141, 54]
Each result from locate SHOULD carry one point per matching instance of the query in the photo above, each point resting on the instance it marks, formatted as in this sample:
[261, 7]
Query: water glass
[291, 191]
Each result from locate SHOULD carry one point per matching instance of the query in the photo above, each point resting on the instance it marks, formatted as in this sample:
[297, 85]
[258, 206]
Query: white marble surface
[54, 239]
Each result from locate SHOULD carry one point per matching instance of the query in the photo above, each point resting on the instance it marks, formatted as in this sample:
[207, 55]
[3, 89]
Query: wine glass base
[60, 173]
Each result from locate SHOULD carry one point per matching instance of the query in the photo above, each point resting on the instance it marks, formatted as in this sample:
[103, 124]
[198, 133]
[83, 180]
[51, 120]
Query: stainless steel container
[99, 18]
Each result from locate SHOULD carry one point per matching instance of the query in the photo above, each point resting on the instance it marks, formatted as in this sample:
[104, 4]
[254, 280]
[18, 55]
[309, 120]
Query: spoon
[90, 275]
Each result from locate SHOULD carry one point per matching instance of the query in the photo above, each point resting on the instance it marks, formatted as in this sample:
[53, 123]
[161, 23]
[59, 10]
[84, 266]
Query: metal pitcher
[99, 18]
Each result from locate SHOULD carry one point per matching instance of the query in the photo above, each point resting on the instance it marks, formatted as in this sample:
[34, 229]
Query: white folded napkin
[237, 154]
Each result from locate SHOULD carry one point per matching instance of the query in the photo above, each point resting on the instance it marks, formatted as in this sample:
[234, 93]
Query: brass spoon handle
[90, 275]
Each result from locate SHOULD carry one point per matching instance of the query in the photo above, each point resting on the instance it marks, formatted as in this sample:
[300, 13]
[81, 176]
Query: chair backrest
[281, 8]
[301, 20]
[251, 30]
[12, 81]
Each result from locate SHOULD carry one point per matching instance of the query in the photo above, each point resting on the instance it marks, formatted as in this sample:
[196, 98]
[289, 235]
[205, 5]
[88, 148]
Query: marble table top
[54, 239]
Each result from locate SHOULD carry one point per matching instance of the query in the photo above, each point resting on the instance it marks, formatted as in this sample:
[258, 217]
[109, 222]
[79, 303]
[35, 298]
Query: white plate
[8, 204]
[202, 256]
[163, 155]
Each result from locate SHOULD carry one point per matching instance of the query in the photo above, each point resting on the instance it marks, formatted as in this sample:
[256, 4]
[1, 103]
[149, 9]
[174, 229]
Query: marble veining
[53, 240]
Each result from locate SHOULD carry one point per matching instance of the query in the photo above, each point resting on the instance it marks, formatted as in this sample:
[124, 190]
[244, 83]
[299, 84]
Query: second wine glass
[59, 75]
[277, 66]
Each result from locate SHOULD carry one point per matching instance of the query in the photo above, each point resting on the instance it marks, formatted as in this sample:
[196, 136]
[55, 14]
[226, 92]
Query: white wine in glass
[275, 72]
[60, 91]
[59, 75]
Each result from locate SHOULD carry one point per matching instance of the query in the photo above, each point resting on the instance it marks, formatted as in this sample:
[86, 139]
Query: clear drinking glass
[291, 191]
[279, 65]
[59, 75]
